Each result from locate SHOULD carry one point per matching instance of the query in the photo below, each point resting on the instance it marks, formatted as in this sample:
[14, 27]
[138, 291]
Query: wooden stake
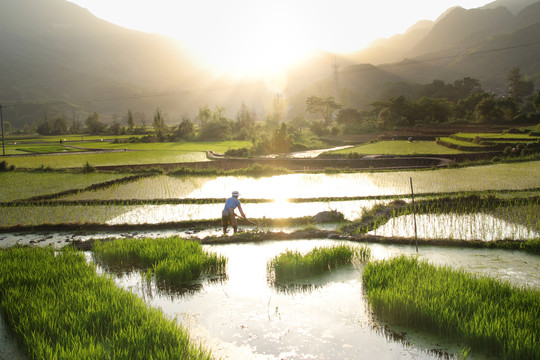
[414, 216]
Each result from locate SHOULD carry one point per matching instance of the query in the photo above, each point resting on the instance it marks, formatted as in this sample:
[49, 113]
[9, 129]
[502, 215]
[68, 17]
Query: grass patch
[293, 265]
[255, 170]
[16, 185]
[45, 149]
[59, 308]
[106, 159]
[175, 261]
[199, 146]
[480, 312]
[398, 147]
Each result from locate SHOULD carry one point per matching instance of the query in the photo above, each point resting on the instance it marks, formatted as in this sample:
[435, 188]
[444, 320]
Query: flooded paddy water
[247, 316]
[298, 186]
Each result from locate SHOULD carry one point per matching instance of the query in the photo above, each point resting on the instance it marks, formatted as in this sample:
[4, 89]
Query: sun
[252, 42]
[253, 54]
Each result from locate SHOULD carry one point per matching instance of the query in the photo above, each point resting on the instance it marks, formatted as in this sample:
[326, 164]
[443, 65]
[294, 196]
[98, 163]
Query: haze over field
[245, 37]
[73, 58]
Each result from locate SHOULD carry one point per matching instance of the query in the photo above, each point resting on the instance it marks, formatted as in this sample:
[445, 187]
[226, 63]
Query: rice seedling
[293, 265]
[175, 261]
[398, 147]
[16, 185]
[59, 308]
[483, 313]
[144, 153]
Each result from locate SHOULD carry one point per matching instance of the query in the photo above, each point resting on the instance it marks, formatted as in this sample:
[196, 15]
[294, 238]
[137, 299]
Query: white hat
[235, 193]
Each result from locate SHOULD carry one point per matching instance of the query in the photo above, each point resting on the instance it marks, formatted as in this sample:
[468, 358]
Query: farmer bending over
[228, 216]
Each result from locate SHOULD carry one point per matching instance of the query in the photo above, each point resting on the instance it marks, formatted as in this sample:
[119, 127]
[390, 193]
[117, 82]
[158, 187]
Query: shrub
[87, 168]
[5, 167]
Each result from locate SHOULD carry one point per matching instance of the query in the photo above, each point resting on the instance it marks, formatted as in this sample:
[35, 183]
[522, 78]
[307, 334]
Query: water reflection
[501, 177]
[156, 214]
[246, 317]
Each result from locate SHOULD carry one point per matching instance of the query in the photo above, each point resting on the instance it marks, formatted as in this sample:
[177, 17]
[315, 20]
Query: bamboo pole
[414, 215]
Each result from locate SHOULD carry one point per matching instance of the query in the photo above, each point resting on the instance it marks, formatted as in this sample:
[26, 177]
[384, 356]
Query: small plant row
[483, 313]
[59, 308]
[467, 204]
[53, 199]
[491, 139]
[462, 145]
[255, 170]
[175, 261]
[101, 185]
[293, 265]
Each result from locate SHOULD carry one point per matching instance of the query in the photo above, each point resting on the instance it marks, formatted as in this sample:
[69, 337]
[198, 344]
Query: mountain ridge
[56, 50]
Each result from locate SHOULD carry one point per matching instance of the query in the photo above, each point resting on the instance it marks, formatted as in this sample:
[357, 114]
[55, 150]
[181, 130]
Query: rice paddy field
[25, 185]
[226, 299]
[110, 153]
[399, 147]
[312, 313]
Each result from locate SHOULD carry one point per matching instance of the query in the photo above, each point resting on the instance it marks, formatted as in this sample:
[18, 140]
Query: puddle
[324, 317]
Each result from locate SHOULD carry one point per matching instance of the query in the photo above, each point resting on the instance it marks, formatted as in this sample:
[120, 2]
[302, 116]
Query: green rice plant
[59, 308]
[16, 185]
[292, 264]
[480, 312]
[398, 147]
[174, 260]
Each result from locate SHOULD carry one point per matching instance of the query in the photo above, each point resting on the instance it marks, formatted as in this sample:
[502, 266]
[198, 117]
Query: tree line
[437, 102]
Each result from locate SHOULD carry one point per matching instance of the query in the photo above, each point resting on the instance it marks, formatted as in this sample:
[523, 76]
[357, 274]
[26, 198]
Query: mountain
[484, 43]
[461, 28]
[515, 6]
[394, 48]
[59, 59]
[58, 43]
[358, 85]
[56, 50]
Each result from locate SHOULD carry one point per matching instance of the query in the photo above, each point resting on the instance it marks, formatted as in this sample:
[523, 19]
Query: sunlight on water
[155, 214]
[292, 186]
[455, 226]
[496, 177]
[244, 316]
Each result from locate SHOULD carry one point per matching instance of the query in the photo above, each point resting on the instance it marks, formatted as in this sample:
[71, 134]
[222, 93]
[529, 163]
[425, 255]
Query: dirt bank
[219, 162]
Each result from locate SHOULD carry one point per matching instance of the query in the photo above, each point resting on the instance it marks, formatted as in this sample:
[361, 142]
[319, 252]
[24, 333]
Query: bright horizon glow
[253, 37]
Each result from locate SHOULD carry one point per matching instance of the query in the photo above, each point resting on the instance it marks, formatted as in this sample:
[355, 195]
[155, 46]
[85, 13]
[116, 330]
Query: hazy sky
[256, 35]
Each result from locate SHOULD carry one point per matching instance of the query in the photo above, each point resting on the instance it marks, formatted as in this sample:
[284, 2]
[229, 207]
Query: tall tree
[279, 107]
[488, 111]
[94, 125]
[130, 121]
[185, 130]
[205, 115]
[325, 107]
[245, 117]
[517, 87]
[159, 124]
[536, 102]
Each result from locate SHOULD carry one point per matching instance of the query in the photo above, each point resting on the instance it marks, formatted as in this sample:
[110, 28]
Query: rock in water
[328, 217]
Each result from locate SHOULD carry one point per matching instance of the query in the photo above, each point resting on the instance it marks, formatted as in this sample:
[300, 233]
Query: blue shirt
[231, 203]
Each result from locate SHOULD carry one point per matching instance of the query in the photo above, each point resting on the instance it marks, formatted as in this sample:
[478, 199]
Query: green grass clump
[480, 312]
[292, 265]
[59, 308]
[398, 147]
[174, 260]
[17, 185]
